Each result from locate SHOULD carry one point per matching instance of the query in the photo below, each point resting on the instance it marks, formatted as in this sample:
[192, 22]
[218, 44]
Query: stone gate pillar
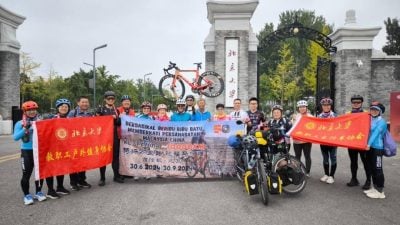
[353, 60]
[231, 50]
[9, 62]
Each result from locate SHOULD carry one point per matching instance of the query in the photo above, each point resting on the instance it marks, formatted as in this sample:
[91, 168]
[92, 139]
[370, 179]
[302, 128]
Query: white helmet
[302, 103]
[161, 106]
[180, 101]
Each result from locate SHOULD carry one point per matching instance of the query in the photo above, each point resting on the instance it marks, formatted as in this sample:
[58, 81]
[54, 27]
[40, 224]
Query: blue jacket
[181, 116]
[377, 132]
[145, 116]
[19, 132]
[198, 116]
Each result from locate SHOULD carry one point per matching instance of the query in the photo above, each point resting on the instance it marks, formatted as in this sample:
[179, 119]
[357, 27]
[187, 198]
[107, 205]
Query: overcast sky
[143, 35]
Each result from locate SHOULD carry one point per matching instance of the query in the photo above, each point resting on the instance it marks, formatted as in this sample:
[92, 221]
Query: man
[190, 105]
[356, 107]
[109, 109]
[256, 117]
[238, 113]
[78, 180]
[201, 113]
[180, 114]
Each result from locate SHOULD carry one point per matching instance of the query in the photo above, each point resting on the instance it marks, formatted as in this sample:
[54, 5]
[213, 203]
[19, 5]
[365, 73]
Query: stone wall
[215, 60]
[385, 78]
[9, 80]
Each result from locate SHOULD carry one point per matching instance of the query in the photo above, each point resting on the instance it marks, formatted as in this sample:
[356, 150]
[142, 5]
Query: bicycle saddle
[198, 65]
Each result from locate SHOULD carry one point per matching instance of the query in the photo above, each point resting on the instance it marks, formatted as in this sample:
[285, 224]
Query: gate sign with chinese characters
[231, 71]
[70, 145]
[194, 149]
[350, 130]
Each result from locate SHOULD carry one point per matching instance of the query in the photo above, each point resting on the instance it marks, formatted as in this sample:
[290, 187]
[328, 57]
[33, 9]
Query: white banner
[231, 70]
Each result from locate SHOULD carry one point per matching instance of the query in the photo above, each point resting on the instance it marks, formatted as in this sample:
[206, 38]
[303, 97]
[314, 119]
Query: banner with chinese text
[176, 149]
[350, 130]
[231, 70]
[69, 145]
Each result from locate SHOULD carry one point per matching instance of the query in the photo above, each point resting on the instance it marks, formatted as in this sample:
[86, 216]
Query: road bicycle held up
[171, 86]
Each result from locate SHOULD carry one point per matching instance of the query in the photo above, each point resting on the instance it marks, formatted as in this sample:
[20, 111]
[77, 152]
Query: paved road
[164, 201]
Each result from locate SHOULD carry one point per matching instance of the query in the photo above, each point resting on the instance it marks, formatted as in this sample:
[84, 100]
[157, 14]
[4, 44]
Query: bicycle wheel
[263, 182]
[292, 188]
[211, 84]
[168, 90]
[191, 167]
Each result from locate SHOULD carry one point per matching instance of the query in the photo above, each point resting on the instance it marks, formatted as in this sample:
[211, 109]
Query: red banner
[350, 130]
[395, 115]
[69, 145]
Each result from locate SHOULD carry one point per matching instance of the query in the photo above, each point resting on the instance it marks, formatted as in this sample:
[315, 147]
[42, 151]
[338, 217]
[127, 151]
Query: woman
[146, 110]
[375, 150]
[63, 107]
[328, 152]
[220, 115]
[162, 113]
[23, 131]
[300, 146]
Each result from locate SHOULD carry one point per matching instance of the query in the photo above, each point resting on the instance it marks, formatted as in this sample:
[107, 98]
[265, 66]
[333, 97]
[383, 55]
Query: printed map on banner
[176, 149]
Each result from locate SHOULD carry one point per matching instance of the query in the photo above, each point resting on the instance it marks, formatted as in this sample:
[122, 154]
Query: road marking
[9, 157]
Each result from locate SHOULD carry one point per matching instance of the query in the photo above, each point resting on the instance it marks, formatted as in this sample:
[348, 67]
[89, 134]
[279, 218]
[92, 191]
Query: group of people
[188, 110]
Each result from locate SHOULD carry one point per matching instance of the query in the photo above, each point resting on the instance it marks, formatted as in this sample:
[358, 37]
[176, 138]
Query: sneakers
[353, 182]
[28, 200]
[102, 183]
[376, 194]
[324, 178]
[147, 178]
[62, 191]
[75, 187]
[308, 175]
[136, 178]
[371, 190]
[52, 194]
[330, 180]
[118, 180]
[84, 184]
[40, 196]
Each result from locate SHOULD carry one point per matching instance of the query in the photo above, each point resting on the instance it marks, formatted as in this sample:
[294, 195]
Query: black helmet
[189, 96]
[125, 97]
[109, 94]
[357, 97]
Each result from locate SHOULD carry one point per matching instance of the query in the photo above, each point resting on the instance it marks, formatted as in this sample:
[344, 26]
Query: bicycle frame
[178, 75]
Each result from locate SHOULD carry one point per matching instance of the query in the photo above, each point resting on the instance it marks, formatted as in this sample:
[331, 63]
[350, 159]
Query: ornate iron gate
[325, 81]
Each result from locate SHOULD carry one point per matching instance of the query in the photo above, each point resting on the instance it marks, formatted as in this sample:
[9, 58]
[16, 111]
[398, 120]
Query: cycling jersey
[255, 118]
[198, 116]
[180, 116]
[239, 115]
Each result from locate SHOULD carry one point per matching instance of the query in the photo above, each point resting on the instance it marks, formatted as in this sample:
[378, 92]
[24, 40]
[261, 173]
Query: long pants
[374, 158]
[306, 148]
[329, 155]
[353, 154]
[77, 178]
[50, 182]
[27, 169]
[115, 161]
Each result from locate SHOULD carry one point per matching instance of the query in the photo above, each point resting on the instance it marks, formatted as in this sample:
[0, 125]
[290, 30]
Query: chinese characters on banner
[176, 149]
[231, 70]
[350, 130]
[69, 145]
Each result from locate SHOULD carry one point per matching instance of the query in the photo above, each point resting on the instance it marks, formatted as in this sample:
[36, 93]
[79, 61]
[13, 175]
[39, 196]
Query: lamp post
[94, 72]
[144, 85]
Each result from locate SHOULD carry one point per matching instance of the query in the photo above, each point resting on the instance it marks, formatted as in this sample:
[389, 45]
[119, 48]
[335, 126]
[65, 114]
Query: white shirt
[239, 115]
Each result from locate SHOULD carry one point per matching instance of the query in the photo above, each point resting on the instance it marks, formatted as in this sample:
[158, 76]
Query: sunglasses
[110, 98]
[180, 105]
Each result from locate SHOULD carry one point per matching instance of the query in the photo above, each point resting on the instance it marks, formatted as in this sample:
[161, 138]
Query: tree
[392, 46]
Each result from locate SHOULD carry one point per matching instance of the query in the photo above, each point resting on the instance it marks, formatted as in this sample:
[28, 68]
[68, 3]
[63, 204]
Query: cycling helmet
[378, 106]
[145, 104]
[326, 101]
[277, 107]
[357, 97]
[109, 94]
[234, 141]
[189, 96]
[249, 141]
[61, 101]
[29, 105]
[162, 106]
[302, 103]
[125, 97]
[180, 101]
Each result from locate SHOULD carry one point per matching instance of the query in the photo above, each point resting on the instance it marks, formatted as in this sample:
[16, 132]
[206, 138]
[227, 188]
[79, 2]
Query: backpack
[389, 145]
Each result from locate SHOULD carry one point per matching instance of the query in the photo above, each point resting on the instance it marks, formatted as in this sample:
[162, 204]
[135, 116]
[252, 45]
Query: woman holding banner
[375, 150]
[328, 152]
[162, 113]
[23, 131]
